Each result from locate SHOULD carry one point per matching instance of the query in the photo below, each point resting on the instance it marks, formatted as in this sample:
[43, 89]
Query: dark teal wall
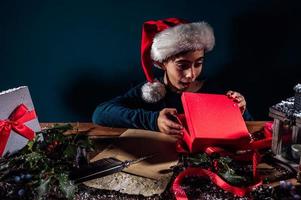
[74, 54]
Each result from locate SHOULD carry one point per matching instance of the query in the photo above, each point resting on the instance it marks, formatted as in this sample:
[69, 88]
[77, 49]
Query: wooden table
[96, 131]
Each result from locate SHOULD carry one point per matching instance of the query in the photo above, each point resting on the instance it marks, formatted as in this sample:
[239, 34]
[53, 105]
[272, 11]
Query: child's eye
[183, 66]
[198, 64]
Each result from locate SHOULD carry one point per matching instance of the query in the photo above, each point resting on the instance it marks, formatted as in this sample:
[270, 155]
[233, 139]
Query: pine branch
[43, 164]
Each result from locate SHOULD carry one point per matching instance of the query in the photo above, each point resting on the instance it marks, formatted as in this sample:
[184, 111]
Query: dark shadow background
[75, 54]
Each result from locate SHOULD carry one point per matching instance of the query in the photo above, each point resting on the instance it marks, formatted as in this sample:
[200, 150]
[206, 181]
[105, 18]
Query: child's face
[184, 69]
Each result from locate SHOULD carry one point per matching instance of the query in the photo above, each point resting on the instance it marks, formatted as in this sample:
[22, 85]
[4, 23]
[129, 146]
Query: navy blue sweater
[131, 111]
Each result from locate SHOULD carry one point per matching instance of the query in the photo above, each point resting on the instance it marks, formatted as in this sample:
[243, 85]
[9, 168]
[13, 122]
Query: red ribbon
[181, 195]
[16, 122]
[251, 153]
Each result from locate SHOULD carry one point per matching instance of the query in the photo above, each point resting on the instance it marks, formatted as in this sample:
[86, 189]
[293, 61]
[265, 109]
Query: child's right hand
[167, 125]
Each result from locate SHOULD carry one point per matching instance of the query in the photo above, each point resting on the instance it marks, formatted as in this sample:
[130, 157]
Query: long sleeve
[128, 111]
[131, 111]
[247, 116]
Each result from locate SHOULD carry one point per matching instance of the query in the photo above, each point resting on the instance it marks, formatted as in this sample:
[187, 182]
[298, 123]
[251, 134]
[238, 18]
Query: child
[178, 48]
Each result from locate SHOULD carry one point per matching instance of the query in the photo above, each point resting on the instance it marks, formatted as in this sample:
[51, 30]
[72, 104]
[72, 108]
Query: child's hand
[239, 99]
[167, 125]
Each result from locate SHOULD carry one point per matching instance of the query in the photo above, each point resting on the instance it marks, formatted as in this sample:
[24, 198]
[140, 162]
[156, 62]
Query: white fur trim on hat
[180, 38]
[153, 92]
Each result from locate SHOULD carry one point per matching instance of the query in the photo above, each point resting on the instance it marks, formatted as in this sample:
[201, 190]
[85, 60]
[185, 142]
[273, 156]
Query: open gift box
[212, 120]
[214, 124]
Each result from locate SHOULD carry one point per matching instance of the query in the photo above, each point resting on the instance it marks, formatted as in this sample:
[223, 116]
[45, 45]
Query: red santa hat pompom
[165, 38]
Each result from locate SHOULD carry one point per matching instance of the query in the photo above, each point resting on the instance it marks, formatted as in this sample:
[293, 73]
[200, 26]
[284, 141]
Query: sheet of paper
[136, 143]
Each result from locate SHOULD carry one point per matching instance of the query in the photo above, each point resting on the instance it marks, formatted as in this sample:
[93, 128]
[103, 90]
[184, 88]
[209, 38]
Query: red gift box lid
[211, 120]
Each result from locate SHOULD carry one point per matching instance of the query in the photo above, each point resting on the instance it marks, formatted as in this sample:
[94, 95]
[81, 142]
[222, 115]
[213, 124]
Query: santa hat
[165, 38]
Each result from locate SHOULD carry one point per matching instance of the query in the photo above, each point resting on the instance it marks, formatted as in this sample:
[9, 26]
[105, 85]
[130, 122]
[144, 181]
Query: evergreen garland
[41, 169]
[232, 172]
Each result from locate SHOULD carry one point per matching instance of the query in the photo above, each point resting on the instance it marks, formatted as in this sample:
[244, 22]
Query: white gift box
[9, 101]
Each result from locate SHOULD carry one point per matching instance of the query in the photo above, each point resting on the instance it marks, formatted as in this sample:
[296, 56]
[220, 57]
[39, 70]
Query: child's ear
[159, 64]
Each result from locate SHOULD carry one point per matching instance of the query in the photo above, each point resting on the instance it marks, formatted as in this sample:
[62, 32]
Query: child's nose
[190, 73]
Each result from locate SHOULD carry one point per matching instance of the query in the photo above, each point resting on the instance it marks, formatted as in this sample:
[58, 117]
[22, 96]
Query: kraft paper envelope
[136, 143]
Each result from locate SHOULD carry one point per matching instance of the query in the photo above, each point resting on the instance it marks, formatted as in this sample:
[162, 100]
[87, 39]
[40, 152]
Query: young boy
[178, 48]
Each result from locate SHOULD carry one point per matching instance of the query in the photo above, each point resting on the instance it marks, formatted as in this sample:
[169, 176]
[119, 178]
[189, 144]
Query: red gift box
[212, 120]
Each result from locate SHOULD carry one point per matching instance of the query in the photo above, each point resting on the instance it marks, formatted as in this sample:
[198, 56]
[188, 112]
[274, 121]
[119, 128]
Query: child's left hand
[239, 99]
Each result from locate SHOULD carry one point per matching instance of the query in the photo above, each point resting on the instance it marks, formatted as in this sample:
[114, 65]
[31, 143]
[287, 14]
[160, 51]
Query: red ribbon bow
[16, 122]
